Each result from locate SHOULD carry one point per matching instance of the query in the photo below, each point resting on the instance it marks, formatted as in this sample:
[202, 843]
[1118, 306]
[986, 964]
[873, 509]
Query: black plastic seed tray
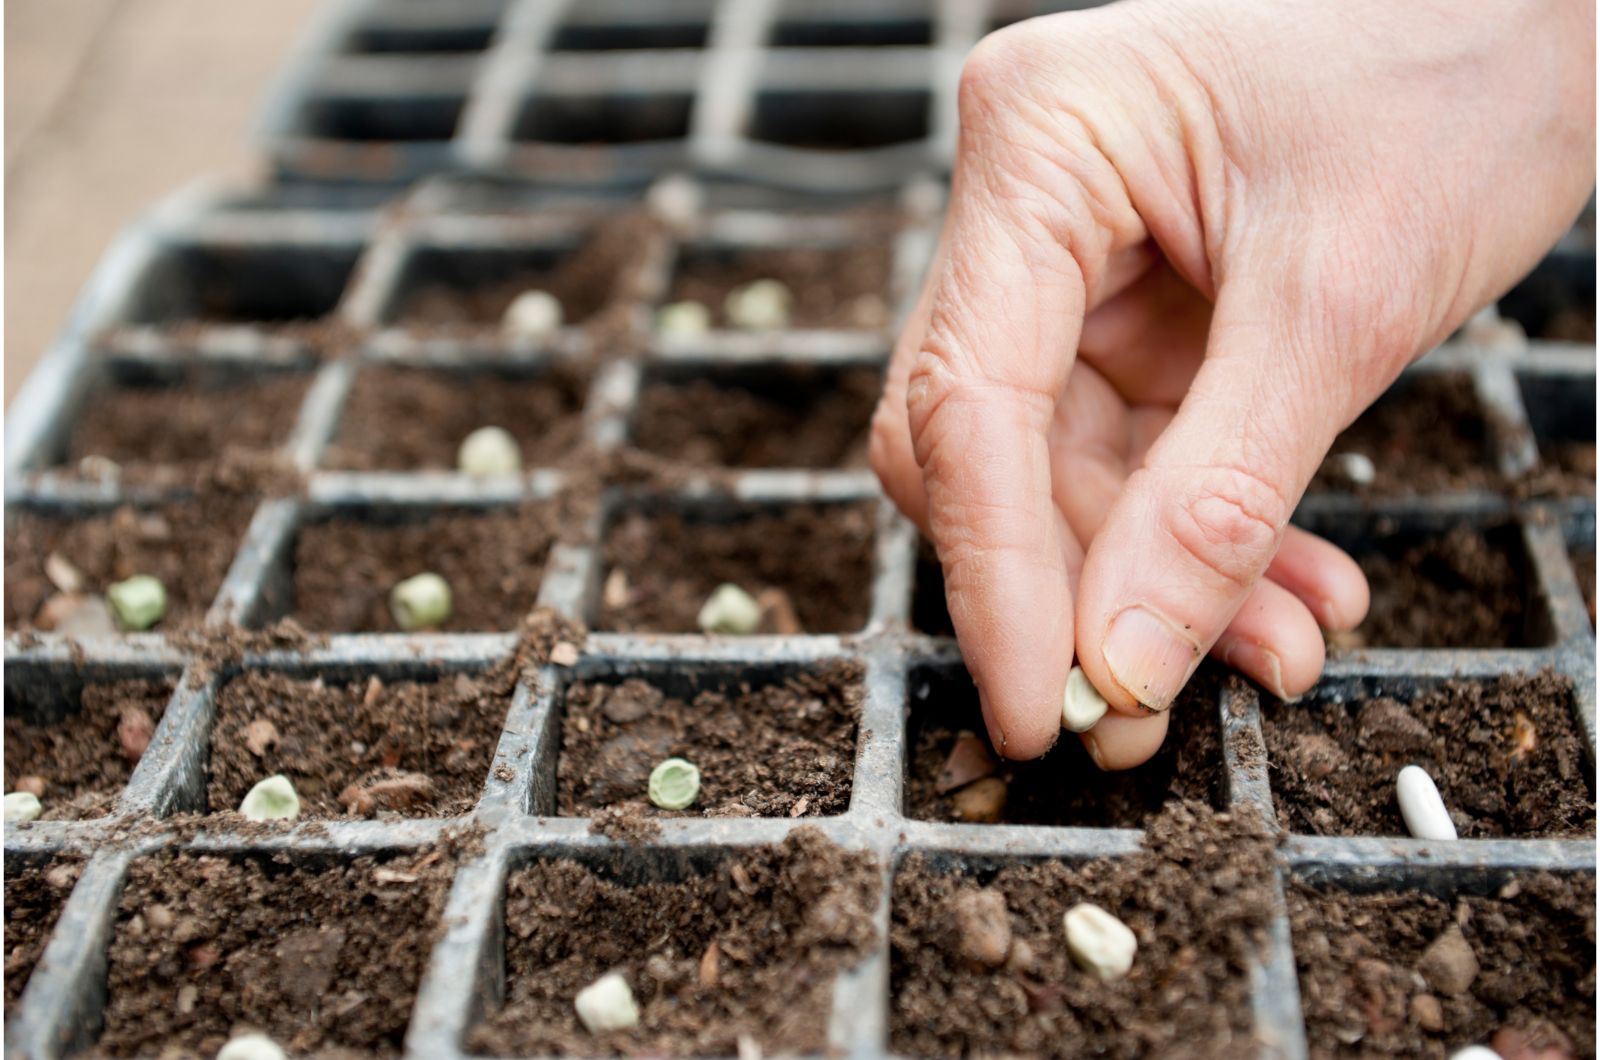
[227, 278]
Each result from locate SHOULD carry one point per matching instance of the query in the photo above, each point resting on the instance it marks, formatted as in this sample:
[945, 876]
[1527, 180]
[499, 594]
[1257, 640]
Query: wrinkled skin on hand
[1187, 244]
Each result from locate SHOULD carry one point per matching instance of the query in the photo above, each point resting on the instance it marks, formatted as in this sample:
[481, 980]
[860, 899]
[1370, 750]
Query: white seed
[1098, 941]
[1082, 705]
[607, 1005]
[1357, 467]
[489, 451]
[675, 199]
[252, 1047]
[1475, 1052]
[532, 315]
[729, 609]
[22, 806]
[1422, 806]
[674, 783]
[273, 799]
[62, 574]
[760, 305]
[137, 603]
[683, 319]
[422, 601]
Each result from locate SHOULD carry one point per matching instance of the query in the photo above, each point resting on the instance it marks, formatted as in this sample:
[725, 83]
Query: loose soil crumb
[1198, 896]
[410, 419]
[494, 561]
[624, 825]
[831, 288]
[783, 748]
[748, 949]
[1505, 754]
[82, 758]
[1458, 590]
[319, 959]
[792, 420]
[1568, 468]
[929, 612]
[820, 555]
[1064, 787]
[189, 547]
[1360, 980]
[408, 749]
[34, 896]
[1429, 436]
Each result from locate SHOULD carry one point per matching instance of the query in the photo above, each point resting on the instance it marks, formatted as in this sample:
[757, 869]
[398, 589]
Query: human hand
[1187, 244]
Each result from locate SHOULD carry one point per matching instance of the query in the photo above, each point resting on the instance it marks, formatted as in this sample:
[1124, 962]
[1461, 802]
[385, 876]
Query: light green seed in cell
[674, 784]
[274, 799]
[422, 601]
[137, 603]
[731, 610]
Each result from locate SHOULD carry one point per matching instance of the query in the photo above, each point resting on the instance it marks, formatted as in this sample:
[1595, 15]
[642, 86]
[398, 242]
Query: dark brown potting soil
[1456, 590]
[1064, 787]
[1505, 754]
[408, 749]
[820, 555]
[318, 958]
[1198, 897]
[1428, 437]
[929, 612]
[792, 421]
[750, 948]
[831, 287]
[410, 419]
[1574, 463]
[83, 759]
[779, 748]
[1583, 569]
[34, 896]
[189, 547]
[493, 560]
[1362, 977]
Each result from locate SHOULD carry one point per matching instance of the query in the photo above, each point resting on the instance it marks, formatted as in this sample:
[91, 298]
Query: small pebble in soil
[760, 305]
[1082, 705]
[252, 1047]
[1422, 806]
[76, 615]
[981, 802]
[1448, 964]
[982, 926]
[607, 1005]
[489, 451]
[532, 315]
[32, 784]
[1546, 1042]
[682, 320]
[274, 799]
[731, 610]
[21, 807]
[134, 730]
[1357, 468]
[421, 601]
[1098, 941]
[138, 602]
[674, 784]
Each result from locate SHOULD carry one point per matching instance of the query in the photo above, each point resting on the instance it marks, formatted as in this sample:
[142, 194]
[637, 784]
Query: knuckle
[886, 439]
[1228, 520]
[985, 74]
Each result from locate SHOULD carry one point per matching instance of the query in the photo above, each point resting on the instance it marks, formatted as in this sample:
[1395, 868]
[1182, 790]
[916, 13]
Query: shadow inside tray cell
[241, 284]
[840, 120]
[1506, 756]
[609, 118]
[868, 30]
[716, 945]
[1426, 434]
[768, 741]
[1561, 410]
[380, 39]
[380, 119]
[809, 567]
[829, 287]
[954, 775]
[36, 888]
[323, 954]
[1556, 300]
[929, 611]
[641, 32]
[1415, 968]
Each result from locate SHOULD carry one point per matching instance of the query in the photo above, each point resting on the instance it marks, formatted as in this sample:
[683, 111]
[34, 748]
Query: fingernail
[1093, 747]
[1257, 662]
[1150, 656]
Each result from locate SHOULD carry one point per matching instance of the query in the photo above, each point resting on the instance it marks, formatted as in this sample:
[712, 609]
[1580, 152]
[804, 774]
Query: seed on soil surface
[134, 729]
[731, 610]
[33, 785]
[983, 926]
[489, 451]
[386, 789]
[273, 799]
[1544, 1042]
[777, 613]
[260, 736]
[1421, 805]
[675, 200]
[969, 760]
[21, 807]
[564, 653]
[533, 315]
[981, 802]
[137, 603]
[674, 784]
[1082, 705]
[76, 615]
[683, 319]
[1448, 964]
[422, 601]
[607, 1005]
[1427, 1012]
[760, 305]
[251, 1047]
[62, 574]
[1524, 737]
[1098, 941]
[1356, 467]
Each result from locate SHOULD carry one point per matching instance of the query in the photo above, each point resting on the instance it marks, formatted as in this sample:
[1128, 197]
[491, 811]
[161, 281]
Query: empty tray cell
[411, 419]
[809, 566]
[775, 416]
[954, 774]
[830, 287]
[769, 742]
[320, 955]
[74, 741]
[406, 745]
[716, 946]
[838, 120]
[643, 30]
[1556, 300]
[610, 118]
[979, 965]
[1426, 434]
[243, 284]
[385, 119]
[929, 611]
[346, 566]
[1561, 411]
[802, 25]
[1425, 970]
[1505, 754]
[35, 890]
[187, 547]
